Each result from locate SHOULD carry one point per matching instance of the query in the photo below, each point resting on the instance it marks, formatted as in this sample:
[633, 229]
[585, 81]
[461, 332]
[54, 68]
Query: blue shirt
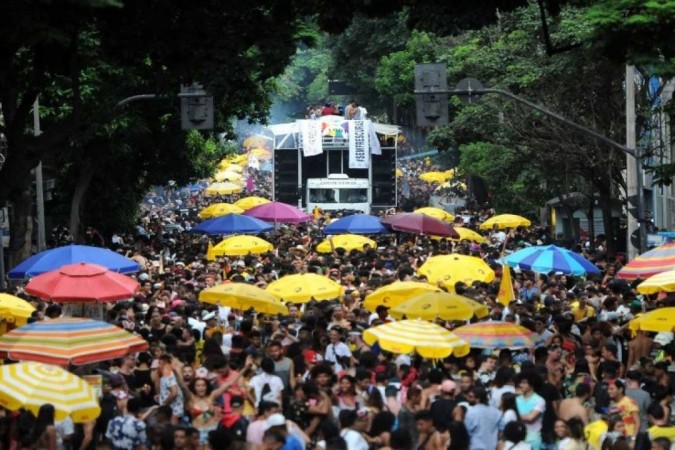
[482, 423]
[292, 443]
[126, 433]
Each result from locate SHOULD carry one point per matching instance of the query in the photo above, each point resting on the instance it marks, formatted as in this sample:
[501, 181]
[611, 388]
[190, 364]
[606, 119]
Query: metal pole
[39, 188]
[633, 165]
[2, 251]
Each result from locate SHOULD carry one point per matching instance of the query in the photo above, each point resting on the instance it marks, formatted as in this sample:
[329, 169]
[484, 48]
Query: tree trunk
[21, 227]
[83, 182]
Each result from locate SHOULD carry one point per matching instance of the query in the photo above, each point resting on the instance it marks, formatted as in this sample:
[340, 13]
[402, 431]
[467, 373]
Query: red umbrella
[83, 282]
[278, 212]
[420, 224]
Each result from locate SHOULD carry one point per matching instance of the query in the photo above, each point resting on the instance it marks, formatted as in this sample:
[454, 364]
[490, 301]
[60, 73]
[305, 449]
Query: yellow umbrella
[436, 213]
[15, 308]
[450, 174]
[407, 336]
[465, 234]
[439, 305]
[247, 203]
[395, 293]
[449, 269]
[433, 177]
[303, 287]
[261, 153]
[240, 159]
[661, 282]
[257, 141]
[659, 320]
[225, 188]
[452, 184]
[228, 175]
[219, 209]
[30, 385]
[241, 245]
[347, 241]
[399, 173]
[243, 296]
[236, 167]
[505, 221]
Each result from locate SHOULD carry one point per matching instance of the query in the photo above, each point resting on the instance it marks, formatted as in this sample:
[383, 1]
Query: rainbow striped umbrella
[657, 260]
[496, 335]
[69, 341]
[31, 385]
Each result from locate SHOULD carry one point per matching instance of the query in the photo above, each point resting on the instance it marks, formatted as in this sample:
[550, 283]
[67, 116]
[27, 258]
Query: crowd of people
[218, 378]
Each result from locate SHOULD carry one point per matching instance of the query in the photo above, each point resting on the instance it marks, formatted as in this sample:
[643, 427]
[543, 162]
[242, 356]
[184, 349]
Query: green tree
[145, 46]
[525, 145]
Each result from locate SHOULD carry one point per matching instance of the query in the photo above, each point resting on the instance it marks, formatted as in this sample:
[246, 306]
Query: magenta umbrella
[420, 224]
[278, 212]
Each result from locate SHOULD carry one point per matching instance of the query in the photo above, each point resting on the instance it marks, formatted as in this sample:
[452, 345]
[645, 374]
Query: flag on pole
[406, 186]
[506, 294]
[250, 186]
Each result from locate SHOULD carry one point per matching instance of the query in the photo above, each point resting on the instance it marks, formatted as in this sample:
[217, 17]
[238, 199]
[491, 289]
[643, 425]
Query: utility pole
[39, 187]
[470, 90]
[634, 176]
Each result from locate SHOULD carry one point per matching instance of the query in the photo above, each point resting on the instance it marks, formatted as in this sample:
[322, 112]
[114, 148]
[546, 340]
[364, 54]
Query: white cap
[664, 338]
[275, 420]
[403, 359]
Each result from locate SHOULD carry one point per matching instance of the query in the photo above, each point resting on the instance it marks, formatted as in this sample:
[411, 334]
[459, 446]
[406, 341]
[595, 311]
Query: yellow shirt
[594, 432]
[627, 408]
[657, 432]
[578, 314]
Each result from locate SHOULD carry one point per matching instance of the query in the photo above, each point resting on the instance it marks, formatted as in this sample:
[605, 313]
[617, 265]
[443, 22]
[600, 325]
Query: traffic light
[431, 85]
[196, 107]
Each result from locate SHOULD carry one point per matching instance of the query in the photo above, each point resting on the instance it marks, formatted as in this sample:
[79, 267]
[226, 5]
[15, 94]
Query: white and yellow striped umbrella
[407, 336]
[30, 385]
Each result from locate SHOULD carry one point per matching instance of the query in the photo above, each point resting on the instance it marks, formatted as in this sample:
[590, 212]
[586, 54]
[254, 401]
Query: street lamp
[470, 90]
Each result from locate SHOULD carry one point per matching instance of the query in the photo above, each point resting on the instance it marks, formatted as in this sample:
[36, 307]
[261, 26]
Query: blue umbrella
[549, 258]
[356, 224]
[55, 258]
[232, 224]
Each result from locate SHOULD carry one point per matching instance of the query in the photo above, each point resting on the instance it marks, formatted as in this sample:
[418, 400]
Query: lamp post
[470, 90]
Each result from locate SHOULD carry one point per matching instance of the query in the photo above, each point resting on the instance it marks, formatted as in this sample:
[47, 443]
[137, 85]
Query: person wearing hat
[256, 430]
[443, 406]
[212, 326]
[337, 352]
[381, 313]
[356, 342]
[276, 423]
